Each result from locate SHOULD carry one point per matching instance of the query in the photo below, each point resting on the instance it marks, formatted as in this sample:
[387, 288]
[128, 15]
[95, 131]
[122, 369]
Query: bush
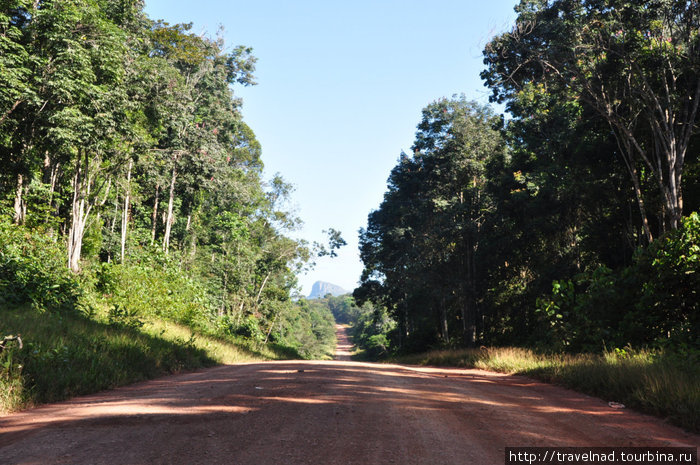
[143, 290]
[371, 332]
[33, 269]
[652, 302]
[668, 307]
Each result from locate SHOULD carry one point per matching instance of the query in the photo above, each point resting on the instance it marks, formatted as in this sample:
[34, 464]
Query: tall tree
[420, 247]
[17, 96]
[636, 64]
[81, 122]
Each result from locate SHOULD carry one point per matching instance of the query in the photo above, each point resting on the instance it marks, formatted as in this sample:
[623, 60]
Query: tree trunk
[471, 298]
[20, 201]
[78, 219]
[154, 217]
[626, 154]
[269, 331]
[81, 207]
[262, 286]
[443, 321]
[76, 233]
[52, 178]
[169, 218]
[125, 213]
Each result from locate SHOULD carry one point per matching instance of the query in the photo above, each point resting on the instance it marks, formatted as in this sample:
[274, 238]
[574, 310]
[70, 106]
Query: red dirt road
[336, 412]
[343, 347]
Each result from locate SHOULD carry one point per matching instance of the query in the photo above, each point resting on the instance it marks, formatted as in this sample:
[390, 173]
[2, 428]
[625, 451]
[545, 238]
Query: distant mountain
[321, 288]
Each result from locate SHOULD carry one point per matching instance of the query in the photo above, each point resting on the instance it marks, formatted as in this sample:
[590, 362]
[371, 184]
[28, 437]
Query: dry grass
[652, 381]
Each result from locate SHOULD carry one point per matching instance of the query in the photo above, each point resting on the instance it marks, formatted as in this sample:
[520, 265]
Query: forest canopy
[569, 225]
[126, 159]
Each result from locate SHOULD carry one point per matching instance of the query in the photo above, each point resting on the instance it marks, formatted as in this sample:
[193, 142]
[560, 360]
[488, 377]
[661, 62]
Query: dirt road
[343, 348]
[335, 412]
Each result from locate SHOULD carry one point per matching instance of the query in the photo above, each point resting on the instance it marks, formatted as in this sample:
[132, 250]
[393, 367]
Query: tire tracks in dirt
[330, 412]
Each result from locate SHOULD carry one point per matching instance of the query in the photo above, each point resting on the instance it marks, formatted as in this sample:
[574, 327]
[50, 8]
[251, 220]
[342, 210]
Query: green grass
[651, 381]
[66, 355]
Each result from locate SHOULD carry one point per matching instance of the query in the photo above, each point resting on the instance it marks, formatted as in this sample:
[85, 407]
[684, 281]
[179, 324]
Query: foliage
[147, 290]
[635, 65]
[653, 301]
[372, 333]
[32, 270]
[343, 308]
[421, 247]
[309, 329]
[556, 227]
[136, 194]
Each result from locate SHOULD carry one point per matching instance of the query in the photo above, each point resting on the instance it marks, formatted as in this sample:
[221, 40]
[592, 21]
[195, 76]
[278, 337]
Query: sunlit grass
[219, 350]
[65, 355]
[657, 383]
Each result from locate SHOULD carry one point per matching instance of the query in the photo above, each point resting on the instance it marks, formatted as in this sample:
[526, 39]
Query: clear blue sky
[340, 90]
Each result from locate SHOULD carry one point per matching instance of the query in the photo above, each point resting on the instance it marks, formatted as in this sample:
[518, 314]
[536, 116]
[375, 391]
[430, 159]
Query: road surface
[332, 412]
[343, 347]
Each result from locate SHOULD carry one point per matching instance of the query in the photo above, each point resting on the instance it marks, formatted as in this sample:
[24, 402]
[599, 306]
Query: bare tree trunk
[125, 213]
[78, 220]
[53, 178]
[169, 218]
[269, 331]
[20, 202]
[154, 217]
[50, 177]
[470, 305]
[626, 154]
[443, 321]
[262, 286]
[113, 223]
[81, 207]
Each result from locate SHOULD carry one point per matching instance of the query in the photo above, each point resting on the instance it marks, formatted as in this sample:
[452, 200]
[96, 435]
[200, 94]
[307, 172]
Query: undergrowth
[112, 325]
[655, 382]
[65, 355]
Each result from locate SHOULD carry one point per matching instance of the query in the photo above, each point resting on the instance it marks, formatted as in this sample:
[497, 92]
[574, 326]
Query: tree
[420, 248]
[17, 98]
[82, 118]
[636, 64]
[198, 107]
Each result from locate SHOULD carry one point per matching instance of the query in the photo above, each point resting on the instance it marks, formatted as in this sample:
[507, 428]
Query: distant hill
[321, 288]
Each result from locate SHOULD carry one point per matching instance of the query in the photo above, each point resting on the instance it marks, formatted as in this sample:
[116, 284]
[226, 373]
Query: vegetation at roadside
[569, 226]
[137, 234]
[662, 382]
[68, 354]
[368, 325]
[653, 381]
[115, 324]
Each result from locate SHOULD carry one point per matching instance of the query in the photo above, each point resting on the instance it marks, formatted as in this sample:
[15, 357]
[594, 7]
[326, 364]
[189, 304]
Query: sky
[341, 86]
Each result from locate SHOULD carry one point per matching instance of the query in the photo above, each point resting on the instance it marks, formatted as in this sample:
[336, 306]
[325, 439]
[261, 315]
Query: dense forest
[132, 192]
[131, 188]
[568, 225]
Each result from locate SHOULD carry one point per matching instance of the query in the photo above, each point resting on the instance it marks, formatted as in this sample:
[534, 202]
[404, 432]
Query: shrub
[652, 302]
[33, 270]
[143, 290]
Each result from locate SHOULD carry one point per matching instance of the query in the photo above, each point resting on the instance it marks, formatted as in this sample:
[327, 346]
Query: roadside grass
[655, 382]
[221, 350]
[68, 354]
